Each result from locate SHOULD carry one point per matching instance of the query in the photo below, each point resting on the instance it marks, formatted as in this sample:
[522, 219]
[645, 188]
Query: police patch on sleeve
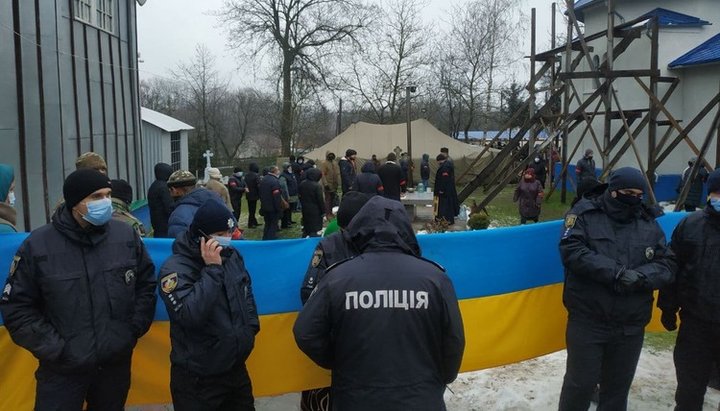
[570, 220]
[6, 292]
[168, 283]
[14, 265]
[649, 253]
[317, 257]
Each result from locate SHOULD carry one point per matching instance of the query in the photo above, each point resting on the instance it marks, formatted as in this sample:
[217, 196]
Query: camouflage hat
[181, 178]
[91, 160]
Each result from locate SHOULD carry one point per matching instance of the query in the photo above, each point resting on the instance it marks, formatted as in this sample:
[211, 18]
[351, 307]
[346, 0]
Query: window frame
[96, 13]
[176, 150]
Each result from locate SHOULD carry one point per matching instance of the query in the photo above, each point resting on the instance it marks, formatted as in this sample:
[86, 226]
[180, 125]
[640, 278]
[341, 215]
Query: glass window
[99, 13]
[175, 150]
[83, 10]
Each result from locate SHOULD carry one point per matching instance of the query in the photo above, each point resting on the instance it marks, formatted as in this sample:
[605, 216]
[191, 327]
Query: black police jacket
[252, 180]
[78, 299]
[330, 250]
[595, 247]
[270, 194]
[386, 322]
[213, 317]
[696, 243]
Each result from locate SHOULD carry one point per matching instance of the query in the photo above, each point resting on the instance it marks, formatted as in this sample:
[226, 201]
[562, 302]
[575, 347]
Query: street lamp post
[408, 90]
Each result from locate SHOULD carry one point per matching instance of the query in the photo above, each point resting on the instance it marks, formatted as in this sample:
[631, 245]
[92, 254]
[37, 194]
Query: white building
[164, 140]
[688, 49]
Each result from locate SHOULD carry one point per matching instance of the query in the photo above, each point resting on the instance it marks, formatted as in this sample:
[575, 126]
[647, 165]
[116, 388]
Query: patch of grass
[295, 231]
[504, 212]
[661, 340]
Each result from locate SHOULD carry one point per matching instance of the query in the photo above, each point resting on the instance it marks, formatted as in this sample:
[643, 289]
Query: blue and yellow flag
[508, 281]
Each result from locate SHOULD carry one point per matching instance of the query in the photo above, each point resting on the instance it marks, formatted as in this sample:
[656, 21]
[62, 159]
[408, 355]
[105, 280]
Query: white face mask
[11, 198]
[222, 240]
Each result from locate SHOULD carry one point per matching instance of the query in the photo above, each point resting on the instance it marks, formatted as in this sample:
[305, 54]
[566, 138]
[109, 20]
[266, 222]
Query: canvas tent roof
[380, 139]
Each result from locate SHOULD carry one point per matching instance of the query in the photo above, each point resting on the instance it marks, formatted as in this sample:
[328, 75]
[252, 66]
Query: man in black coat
[208, 295]
[447, 205]
[403, 307]
[367, 181]
[391, 175]
[615, 255]
[159, 200]
[236, 188]
[80, 292]
[270, 202]
[695, 241]
[252, 182]
[312, 203]
[348, 170]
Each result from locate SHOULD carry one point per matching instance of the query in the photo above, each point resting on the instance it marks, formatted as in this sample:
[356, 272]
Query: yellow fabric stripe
[499, 330]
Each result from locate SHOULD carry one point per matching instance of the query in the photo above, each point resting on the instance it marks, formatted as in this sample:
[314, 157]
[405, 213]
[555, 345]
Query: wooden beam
[609, 74]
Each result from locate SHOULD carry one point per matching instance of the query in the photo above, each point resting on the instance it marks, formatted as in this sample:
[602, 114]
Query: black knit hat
[122, 190]
[626, 177]
[713, 182]
[350, 152]
[350, 205]
[212, 217]
[81, 183]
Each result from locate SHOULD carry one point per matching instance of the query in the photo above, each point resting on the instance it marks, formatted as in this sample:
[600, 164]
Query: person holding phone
[213, 317]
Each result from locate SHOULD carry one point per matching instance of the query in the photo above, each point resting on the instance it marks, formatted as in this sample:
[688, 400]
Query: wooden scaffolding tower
[603, 103]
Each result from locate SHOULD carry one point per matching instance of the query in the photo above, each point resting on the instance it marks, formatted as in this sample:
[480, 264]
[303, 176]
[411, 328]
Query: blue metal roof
[706, 53]
[491, 134]
[674, 19]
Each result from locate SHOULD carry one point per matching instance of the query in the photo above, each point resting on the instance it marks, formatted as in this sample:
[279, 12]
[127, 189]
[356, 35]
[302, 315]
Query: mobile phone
[207, 237]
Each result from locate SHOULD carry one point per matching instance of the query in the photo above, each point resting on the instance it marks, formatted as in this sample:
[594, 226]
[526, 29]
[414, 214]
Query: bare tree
[481, 42]
[162, 95]
[302, 33]
[206, 92]
[378, 76]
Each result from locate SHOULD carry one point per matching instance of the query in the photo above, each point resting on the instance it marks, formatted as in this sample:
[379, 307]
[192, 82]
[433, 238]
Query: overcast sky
[168, 31]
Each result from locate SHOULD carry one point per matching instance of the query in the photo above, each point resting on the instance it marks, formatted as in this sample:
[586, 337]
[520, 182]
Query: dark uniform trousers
[236, 202]
[599, 354]
[271, 225]
[697, 350]
[105, 389]
[252, 207]
[230, 391]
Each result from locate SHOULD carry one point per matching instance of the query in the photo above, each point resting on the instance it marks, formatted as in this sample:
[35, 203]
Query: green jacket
[121, 212]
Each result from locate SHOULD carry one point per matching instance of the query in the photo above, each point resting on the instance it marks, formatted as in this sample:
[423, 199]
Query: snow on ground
[535, 385]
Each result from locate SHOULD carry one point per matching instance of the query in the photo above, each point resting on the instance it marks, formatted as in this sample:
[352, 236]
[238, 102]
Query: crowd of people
[82, 289]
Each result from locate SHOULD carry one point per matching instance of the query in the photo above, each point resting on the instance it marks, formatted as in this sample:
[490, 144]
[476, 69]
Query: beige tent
[379, 139]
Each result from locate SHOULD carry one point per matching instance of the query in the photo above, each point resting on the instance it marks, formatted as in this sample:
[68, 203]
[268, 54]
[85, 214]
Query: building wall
[156, 149]
[67, 87]
[689, 97]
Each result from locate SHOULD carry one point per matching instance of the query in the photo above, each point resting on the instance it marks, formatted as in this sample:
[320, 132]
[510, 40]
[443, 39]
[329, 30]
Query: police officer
[80, 292]
[332, 249]
[270, 202]
[615, 255]
[387, 322]
[696, 242]
[213, 318]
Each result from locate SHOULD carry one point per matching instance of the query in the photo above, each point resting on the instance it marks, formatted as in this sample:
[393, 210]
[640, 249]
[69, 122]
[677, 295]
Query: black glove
[629, 280]
[669, 320]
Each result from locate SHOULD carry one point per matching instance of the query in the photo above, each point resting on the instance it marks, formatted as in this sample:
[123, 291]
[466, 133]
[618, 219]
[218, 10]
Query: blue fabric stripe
[480, 263]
